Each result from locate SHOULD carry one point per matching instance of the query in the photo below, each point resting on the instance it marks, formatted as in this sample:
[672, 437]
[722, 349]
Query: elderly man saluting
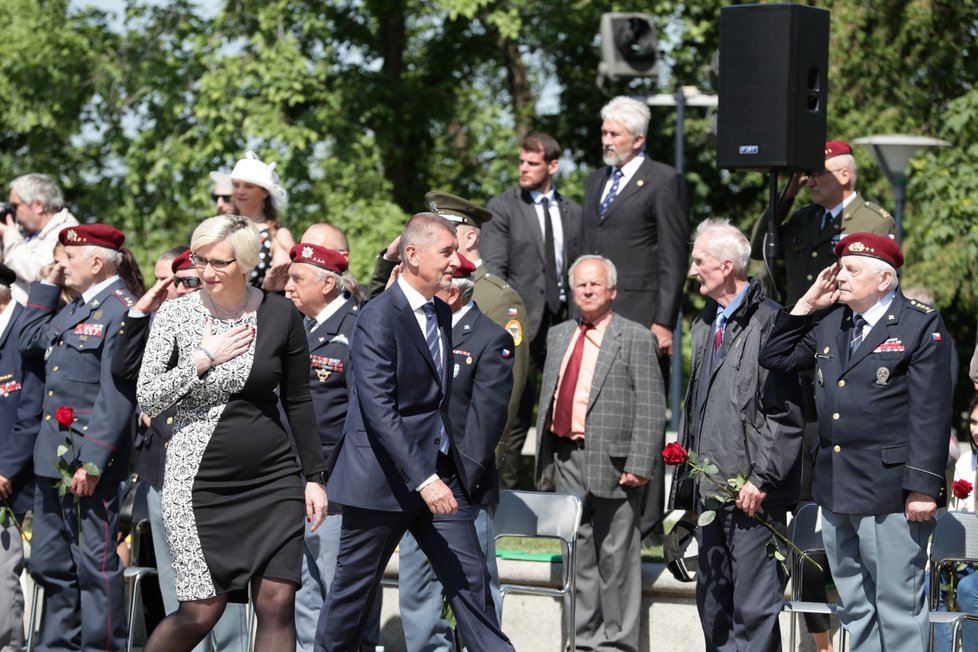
[883, 397]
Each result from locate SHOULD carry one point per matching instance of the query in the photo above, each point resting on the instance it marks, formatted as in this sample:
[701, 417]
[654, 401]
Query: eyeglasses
[201, 263]
[225, 198]
[188, 281]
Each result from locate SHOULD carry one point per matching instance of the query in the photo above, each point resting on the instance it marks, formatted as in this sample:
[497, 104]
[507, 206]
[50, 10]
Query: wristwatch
[321, 477]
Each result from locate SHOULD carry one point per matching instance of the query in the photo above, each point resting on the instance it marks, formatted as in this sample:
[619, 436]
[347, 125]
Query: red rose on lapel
[65, 416]
[674, 454]
[961, 488]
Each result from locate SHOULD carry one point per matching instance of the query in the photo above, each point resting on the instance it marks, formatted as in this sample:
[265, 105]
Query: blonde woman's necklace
[229, 314]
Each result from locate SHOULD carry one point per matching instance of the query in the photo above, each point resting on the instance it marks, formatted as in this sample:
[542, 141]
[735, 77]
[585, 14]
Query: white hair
[630, 112]
[726, 242]
[612, 276]
[877, 265]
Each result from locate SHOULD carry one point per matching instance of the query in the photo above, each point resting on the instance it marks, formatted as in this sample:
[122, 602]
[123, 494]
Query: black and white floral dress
[233, 497]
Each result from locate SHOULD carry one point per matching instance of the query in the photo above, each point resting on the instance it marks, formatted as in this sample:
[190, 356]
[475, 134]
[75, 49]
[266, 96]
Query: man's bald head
[327, 235]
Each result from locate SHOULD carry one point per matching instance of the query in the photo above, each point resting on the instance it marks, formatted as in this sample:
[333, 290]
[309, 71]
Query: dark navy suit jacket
[21, 398]
[884, 412]
[398, 408]
[481, 386]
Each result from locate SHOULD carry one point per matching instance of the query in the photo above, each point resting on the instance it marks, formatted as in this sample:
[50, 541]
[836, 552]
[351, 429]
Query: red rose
[674, 454]
[961, 488]
[65, 416]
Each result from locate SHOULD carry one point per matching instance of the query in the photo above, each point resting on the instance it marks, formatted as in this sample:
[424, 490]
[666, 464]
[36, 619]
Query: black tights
[190, 623]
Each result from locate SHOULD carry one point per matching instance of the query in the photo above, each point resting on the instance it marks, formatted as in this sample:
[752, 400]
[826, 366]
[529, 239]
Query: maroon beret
[328, 259]
[836, 148]
[465, 268]
[871, 245]
[182, 262]
[100, 235]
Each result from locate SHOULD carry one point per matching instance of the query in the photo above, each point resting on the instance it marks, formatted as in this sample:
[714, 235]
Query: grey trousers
[878, 564]
[609, 559]
[11, 595]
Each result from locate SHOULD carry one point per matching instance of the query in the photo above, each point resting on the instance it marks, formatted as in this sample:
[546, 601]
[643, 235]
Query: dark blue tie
[612, 193]
[431, 336]
[434, 347]
[858, 323]
[311, 324]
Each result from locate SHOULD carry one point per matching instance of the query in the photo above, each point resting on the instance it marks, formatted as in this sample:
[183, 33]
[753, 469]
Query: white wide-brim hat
[252, 169]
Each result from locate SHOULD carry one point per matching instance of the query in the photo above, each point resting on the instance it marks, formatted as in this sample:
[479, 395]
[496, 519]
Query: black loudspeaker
[773, 87]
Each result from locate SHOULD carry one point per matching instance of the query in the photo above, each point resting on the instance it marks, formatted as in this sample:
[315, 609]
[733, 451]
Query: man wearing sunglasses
[176, 276]
[222, 194]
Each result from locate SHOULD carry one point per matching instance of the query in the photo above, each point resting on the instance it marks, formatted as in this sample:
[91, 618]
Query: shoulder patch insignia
[922, 307]
[516, 330]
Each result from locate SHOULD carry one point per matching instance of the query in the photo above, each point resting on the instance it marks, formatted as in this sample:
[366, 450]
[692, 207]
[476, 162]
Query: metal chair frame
[955, 540]
[543, 515]
[807, 535]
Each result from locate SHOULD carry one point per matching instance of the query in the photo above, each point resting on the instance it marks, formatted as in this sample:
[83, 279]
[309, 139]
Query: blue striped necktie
[434, 347]
[612, 192]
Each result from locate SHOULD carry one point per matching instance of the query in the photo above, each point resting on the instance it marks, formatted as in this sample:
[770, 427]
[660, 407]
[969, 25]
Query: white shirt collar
[330, 308]
[875, 313]
[95, 290]
[414, 298]
[838, 208]
[457, 316]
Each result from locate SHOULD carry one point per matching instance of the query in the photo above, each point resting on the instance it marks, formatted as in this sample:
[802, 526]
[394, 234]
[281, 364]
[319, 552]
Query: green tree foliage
[365, 105]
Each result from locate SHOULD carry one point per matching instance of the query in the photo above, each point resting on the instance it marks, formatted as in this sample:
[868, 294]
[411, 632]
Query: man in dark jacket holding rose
[747, 422]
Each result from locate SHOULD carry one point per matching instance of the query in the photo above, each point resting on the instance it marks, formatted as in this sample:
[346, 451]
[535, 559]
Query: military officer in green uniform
[811, 233]
[495, 298]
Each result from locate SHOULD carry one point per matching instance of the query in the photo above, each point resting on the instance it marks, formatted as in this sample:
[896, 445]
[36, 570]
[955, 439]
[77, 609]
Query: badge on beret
[72, 235]
[307, 252]
[516, 330]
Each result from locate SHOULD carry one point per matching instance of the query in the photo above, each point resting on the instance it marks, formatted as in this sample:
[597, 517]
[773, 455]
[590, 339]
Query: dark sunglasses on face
[187, 281]
[226, 198]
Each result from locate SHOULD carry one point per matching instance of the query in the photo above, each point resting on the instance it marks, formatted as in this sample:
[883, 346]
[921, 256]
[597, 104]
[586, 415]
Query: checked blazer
[626, 407]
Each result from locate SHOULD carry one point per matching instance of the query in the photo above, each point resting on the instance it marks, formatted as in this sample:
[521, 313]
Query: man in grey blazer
[601, 417]
[532, 255]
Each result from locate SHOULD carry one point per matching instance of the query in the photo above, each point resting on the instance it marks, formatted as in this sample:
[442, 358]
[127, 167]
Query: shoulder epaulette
[877, 209]
[124, 297]
[922, 307]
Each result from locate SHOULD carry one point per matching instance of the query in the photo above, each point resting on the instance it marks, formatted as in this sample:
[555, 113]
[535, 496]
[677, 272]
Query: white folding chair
[955, 540]
[807, 535]
[543, 515]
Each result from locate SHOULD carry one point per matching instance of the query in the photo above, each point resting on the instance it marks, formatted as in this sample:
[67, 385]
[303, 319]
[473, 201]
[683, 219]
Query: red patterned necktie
[568, 385]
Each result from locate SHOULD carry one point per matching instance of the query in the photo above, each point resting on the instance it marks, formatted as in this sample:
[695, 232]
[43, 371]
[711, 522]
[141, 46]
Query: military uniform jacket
[884, 414]
[809, 249]
[77, 344]
[625, 411]
[21, 396]
[151, 442]
[329, 362]
[482, 382]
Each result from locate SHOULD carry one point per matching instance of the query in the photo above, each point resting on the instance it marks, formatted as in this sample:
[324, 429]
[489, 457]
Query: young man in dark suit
[398, 468]
[533, 236]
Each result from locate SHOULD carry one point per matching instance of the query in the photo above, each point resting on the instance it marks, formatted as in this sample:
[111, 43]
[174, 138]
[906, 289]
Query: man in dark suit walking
[481, 381]
[533, 236]
[602, 410]
[883, 395]
[398, 468]
[21, 396]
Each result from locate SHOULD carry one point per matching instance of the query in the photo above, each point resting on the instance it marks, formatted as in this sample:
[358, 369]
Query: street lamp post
[892, 153]
[683, 97]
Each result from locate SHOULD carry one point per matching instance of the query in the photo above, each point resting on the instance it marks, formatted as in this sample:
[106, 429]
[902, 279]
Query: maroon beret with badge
[99, 235]
[182, 262]
[872, 245]
[837, 148]
[328, 259]
[465, 268]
